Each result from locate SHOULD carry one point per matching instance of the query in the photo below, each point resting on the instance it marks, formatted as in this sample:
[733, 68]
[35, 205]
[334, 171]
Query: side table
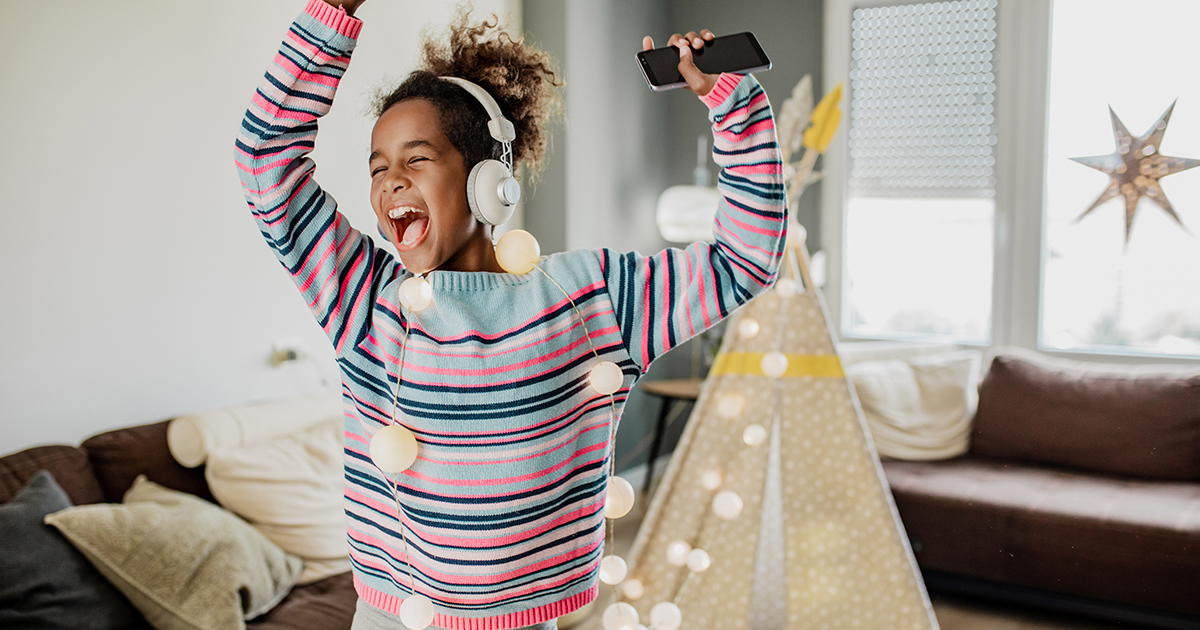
[670, 391]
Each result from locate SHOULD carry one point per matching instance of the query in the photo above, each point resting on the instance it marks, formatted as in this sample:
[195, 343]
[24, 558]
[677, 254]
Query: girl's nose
[397, 181]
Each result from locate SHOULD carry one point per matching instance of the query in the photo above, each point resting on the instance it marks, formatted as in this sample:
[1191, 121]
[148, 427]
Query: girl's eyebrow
[411, 144]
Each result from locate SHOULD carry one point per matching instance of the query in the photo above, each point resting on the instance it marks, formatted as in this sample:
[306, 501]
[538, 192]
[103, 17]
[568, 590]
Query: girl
[499, 521]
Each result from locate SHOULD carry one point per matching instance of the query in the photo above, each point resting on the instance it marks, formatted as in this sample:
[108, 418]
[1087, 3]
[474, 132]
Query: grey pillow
[185, 563]
[44, 581]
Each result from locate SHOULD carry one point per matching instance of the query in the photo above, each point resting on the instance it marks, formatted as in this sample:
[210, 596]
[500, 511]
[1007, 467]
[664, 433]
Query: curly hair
[519, 77]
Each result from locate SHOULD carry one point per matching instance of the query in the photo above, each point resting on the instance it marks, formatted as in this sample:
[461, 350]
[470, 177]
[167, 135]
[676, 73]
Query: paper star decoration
[1135, 168]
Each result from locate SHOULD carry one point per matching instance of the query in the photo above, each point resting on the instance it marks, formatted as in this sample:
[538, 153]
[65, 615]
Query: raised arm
[665, 299]
[333, 265]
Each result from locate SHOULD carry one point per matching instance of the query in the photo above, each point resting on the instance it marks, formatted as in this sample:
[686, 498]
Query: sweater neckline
[473, 280]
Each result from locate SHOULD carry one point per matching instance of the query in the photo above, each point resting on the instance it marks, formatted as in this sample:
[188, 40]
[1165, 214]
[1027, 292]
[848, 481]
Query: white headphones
[492, 192]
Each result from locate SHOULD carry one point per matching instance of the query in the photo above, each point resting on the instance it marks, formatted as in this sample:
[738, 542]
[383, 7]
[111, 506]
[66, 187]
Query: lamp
[685, 213]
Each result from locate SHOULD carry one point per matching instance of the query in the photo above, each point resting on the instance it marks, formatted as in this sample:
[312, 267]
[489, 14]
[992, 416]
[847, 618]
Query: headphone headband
[491, 189]
[499, 126]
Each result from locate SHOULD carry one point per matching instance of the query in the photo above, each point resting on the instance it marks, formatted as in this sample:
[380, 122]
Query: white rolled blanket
[193, 436]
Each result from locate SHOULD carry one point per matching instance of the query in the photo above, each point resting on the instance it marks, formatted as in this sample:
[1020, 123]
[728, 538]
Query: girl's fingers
[647, 43]
[694, 39]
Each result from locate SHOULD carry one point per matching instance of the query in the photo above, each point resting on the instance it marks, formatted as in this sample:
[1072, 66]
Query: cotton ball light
[748, 327]
[710, 479]
[754, 434]
[518, 252]
[416, 294]
[393, 449]
[786, 288]
[774, 364]
[665, 616]
[633, 588]
[677, 553]
[620, 616]
[606, 378]
[727, 504]
[730, 406]
[698, 560]
[613, 570]
[618, 498]
[416, 612]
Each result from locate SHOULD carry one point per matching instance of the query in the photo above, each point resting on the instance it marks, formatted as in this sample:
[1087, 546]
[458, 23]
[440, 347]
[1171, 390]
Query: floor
[953, 613]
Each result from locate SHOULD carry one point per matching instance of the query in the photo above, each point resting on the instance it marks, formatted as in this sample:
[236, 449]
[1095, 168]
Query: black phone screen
[728, 53]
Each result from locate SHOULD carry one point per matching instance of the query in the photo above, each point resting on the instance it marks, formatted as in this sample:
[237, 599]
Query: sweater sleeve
[666, 299]
[332, 264]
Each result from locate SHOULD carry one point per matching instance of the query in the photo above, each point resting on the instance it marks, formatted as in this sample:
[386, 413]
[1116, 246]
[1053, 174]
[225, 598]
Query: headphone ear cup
[488, 180]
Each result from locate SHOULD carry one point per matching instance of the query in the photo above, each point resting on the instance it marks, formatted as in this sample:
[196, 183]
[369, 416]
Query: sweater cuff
[334, 17]
[721, 91]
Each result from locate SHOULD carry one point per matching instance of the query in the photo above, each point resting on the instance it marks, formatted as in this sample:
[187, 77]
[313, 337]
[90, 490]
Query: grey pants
[368, 617]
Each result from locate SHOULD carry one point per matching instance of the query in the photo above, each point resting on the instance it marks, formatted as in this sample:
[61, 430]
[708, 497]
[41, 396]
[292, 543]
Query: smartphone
[738, 53]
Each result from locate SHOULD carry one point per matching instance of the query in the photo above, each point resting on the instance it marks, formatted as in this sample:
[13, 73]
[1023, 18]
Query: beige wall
[135, 285]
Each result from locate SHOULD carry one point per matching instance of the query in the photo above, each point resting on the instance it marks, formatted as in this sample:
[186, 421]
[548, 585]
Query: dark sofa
[104, 467]
[1081, 493]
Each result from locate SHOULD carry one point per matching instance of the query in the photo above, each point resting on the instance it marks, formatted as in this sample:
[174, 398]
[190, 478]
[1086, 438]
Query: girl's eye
[418, 159]
[377, 171]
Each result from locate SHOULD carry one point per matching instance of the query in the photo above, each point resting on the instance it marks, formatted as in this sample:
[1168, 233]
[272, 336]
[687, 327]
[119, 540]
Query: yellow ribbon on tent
[825, 118]
[750, 364]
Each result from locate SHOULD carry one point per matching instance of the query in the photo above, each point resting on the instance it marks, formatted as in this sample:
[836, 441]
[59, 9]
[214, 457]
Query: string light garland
[394, 448]
[748, 327]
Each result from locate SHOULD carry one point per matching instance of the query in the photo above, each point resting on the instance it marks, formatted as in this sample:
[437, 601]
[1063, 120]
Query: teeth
[398, 213]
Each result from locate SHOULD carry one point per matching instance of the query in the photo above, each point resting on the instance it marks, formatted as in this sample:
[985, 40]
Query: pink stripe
[646, 294]
[502, 481]
[699, 278]
[536, 430]
[756, 169]
[665, 268]
[587, 511]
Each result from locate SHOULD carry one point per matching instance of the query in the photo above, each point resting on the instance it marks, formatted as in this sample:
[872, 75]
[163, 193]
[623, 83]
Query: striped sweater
[503, 510]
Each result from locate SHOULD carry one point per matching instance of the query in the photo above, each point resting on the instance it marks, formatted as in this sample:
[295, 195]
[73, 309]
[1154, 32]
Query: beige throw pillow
[291, 489]
[185, 563]
[919, 408]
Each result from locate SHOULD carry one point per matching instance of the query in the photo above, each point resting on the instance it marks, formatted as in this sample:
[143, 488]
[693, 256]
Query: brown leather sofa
[104, 467]
[1081, 492]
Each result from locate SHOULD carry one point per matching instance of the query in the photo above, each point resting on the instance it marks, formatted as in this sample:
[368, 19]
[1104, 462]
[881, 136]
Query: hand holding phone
[696, 60]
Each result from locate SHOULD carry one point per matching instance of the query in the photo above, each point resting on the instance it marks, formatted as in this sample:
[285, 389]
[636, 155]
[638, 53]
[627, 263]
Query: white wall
[616, 128]
[135, 285]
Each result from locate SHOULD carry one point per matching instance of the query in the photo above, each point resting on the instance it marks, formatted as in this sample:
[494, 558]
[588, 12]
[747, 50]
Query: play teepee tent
[774, 512]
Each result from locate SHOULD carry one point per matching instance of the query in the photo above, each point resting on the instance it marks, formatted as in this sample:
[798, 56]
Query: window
[959, 215]
[1100, 293]
[919, 217]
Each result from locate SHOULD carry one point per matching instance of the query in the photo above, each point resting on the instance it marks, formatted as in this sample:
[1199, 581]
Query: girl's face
[419, 191]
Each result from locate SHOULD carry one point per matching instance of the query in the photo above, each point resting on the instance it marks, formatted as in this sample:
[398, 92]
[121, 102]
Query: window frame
[1022, 62]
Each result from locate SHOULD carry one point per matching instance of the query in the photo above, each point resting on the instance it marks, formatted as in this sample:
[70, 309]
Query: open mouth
[411, 225]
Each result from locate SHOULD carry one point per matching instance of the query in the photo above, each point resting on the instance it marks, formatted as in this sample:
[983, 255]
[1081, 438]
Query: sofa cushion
[920, 407]
[69, 466]
[118, 457]
[1132, 420]
[1087, 534]
[292, 489]
[185, 563]
[44, 581]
